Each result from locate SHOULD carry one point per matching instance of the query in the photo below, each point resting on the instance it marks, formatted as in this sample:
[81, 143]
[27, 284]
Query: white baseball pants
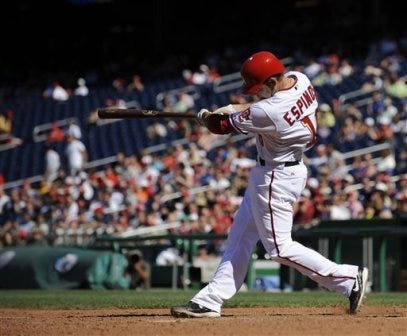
[266, 213]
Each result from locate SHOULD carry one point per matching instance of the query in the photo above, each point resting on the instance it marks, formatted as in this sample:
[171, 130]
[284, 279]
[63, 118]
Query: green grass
[93, 299]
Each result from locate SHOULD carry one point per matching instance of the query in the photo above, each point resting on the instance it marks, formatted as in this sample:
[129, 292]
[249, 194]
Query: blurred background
[113, 37]
[69, 179]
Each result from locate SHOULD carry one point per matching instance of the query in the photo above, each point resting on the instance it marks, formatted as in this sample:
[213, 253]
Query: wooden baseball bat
[134, 113]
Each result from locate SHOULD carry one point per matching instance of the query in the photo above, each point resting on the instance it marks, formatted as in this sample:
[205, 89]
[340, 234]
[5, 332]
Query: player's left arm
[232, 108]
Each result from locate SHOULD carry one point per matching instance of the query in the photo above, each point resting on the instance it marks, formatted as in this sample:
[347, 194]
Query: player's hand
[202, 115]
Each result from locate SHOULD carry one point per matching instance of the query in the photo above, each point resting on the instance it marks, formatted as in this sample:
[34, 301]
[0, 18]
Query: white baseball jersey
[285, 124]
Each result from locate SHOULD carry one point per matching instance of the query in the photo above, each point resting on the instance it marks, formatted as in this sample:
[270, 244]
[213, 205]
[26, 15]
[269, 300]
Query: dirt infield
[331, 321]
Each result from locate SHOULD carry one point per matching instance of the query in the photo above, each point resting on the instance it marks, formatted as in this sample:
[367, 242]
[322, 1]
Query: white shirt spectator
[387, 161]
[339, 210]
[345, 68]
[241, 163]
[74, 130]
[72, 210]
[53, 163]
[4, 198]
[169, 256]
[76, 154]
[116, 200]
[312, 69]
[86, 187]
[59, 93]
[157, 129]
[82, 89]
[386, 116]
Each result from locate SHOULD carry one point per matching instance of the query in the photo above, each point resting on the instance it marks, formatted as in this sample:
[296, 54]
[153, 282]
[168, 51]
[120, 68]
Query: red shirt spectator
[111, 178]
[305, 212]
[56, 134]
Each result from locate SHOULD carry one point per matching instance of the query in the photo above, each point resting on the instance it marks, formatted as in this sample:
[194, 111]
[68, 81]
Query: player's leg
[231, 271]
[274, 222]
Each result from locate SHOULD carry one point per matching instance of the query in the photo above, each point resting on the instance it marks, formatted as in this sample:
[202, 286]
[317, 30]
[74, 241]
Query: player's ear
[271, 82]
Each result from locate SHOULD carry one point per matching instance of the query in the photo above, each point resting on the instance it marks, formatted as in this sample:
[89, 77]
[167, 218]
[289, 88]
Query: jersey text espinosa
[295, 113]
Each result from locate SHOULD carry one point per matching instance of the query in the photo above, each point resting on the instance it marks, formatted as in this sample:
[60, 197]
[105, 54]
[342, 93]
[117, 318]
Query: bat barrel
[132, 113]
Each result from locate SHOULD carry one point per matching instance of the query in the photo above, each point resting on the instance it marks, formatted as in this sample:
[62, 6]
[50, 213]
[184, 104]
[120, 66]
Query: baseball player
[284, 124]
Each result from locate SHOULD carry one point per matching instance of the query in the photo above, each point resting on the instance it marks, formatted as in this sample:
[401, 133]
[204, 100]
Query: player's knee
[285, 248]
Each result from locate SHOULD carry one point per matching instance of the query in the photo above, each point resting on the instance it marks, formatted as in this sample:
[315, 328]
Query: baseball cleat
[358, 292]
[192, 309]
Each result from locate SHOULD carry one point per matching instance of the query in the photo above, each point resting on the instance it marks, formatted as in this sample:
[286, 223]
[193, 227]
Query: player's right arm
[218, 121]
[253, 120]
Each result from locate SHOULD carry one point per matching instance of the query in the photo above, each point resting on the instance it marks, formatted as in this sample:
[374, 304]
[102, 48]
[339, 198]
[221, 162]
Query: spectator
[169, 256]
[386, 115]
[326, 117]
[320, 159]
[213, 74]
[56, 134]
[379, 203]
[355, 206]
[119, 84]
[313, 68]
[200, 77]
[74, 130]
[93, 119]
[339, 208]
[138, 270]
[136, 84]
[52, 163]
[345, 68]
[156, 131]
[326, 121]
[82, 90]
[4, 199]
[396, 87]
[184, 103]
[76, 154]
[59, 93]
[304, 212]
[387, 162]
[376, 106]
[37, 237]
[207, 262]
[116, 103]
[401, 198]
[6, 122]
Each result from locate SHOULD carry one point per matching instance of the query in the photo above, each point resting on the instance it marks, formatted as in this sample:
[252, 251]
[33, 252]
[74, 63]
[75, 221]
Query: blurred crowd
[160, 188]
[198, 186]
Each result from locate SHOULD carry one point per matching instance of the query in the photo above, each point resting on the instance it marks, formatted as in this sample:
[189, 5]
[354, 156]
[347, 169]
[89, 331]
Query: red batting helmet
[257, 69]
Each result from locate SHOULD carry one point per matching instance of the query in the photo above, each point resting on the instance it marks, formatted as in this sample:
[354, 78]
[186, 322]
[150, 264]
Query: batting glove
[202, 115]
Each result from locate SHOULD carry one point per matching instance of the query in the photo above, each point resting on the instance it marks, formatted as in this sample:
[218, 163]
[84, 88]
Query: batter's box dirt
[331, 321]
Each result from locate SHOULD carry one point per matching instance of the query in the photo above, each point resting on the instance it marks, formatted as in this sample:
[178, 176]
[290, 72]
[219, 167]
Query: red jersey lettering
[287, 118]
